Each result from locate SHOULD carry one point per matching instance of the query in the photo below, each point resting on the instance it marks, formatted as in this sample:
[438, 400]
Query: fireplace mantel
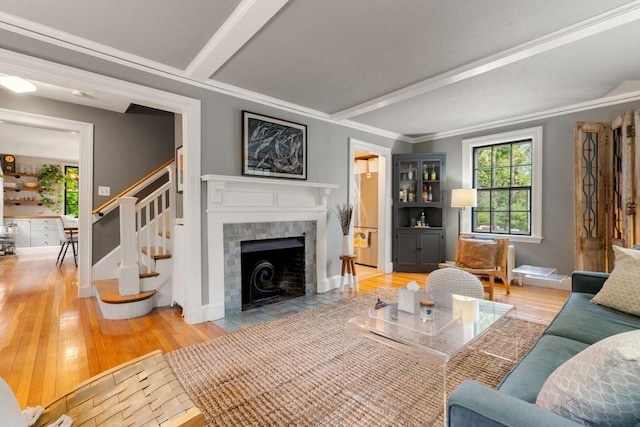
[234, 199]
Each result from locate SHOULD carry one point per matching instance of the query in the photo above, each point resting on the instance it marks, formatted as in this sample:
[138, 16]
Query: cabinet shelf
[23, 202]
[20, 174]
[19, 189]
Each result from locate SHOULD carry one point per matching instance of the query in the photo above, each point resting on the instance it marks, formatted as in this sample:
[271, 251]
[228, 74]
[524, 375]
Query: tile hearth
[238, 321]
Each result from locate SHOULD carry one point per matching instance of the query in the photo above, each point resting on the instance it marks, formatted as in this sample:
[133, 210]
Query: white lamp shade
[464, 198]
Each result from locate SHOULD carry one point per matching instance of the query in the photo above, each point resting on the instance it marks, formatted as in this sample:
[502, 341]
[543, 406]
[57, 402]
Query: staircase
[145, 267]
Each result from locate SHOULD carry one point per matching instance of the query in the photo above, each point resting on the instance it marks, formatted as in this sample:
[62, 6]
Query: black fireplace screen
[273, 270]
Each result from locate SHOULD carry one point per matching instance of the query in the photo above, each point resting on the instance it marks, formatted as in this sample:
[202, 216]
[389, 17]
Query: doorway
[85, 131]
[194, 309]
[369, 193]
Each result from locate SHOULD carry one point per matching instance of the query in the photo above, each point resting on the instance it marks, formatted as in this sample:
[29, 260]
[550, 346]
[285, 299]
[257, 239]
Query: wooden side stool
[348, 266]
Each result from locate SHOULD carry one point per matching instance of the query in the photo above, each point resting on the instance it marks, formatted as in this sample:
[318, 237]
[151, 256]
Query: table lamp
[463, 198]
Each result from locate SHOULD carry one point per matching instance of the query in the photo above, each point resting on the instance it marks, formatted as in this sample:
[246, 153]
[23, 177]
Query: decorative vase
[346, 245]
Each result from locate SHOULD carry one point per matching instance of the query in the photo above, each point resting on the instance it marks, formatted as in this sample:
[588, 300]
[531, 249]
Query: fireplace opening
[273, 270]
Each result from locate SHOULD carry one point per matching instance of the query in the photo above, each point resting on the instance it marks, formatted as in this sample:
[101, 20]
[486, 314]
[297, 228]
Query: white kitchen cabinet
[36, 232]
[44, 232]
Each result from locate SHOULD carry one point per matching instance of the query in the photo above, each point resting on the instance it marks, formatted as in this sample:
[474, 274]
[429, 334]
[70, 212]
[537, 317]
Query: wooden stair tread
[144, 274]
[156, 252]
[108, 292]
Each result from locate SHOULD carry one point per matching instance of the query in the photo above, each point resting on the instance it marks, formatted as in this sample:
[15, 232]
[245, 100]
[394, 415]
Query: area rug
[303, 370]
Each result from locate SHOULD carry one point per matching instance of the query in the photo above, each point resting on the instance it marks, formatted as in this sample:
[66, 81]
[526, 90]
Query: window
[71, 190]
[506, 169]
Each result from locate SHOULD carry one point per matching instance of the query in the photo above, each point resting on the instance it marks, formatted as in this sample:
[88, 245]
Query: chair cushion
[476, 253]
[622, 289]
[599, 385]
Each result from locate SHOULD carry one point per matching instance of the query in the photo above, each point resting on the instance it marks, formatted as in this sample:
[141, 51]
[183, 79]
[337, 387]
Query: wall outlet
[104, 191]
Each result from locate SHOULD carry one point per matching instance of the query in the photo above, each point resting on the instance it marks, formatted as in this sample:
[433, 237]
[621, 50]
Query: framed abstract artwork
[273, 148]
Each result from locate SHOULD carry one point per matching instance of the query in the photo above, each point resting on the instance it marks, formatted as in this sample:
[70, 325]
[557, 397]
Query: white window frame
[535, 134]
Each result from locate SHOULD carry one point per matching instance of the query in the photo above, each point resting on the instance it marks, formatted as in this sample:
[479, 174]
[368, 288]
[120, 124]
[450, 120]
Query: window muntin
[506, 169]
[502, 176]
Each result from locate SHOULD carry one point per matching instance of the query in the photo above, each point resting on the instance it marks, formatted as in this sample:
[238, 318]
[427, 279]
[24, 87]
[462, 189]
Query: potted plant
[50, 179]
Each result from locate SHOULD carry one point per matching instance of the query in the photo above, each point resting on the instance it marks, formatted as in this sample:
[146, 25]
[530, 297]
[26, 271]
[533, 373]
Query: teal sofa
[579, 324]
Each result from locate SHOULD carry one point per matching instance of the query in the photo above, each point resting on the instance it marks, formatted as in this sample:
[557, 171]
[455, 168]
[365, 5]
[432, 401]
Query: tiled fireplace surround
[236, 233]
[245, 208]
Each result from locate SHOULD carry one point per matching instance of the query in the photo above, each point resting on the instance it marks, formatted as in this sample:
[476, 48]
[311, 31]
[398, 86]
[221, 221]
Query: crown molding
[575, 108]
[598, 24]
[64, 40]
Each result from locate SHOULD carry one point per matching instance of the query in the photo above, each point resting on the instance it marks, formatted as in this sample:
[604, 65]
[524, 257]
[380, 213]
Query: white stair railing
[153, 218]
[145, 223]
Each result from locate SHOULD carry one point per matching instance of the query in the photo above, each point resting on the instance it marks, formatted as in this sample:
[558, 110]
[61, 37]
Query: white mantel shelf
[233, 193]
[240, 199]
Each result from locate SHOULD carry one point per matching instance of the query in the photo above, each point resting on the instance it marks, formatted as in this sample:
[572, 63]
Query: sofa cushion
[525, 380]
[586, 322]
[598, 386]
[622, 289]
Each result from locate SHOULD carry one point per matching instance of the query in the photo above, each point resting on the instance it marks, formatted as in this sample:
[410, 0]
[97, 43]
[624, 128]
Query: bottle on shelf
[425, 194]
[412, 194]
[425, 172]
[433, 173]
[422, 219]
[430, 195]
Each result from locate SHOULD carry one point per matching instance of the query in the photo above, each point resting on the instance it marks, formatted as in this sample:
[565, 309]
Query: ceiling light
[17, 84]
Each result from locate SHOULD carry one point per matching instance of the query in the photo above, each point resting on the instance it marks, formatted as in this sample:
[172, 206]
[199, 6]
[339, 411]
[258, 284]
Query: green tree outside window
[502, 175]
[71, 190]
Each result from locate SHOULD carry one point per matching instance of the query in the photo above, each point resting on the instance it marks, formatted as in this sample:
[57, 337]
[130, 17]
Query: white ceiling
[417, 69]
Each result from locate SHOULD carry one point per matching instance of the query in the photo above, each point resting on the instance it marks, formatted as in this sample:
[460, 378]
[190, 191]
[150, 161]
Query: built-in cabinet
[418, 206]
[36, 231]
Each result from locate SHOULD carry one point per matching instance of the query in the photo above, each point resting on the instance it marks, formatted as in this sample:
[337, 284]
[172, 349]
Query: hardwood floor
[50, 340]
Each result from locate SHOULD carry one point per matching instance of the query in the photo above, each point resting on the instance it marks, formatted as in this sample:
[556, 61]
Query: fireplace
[273, 270]
[243, 208]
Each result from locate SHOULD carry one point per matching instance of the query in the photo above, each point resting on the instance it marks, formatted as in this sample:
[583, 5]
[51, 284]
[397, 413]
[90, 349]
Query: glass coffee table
[458, 322]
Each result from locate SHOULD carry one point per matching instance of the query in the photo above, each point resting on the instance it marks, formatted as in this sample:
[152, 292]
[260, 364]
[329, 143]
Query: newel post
[129, 273]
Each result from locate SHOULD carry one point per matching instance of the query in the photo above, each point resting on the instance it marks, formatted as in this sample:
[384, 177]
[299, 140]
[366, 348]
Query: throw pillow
[622, 289]
[9, 407]
[599, 385]
[476, 253]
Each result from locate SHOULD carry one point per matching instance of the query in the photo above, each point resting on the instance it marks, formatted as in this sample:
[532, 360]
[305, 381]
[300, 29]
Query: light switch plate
[104, 191]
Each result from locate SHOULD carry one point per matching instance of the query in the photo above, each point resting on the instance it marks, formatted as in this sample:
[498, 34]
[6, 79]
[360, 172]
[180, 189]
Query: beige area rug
[303, 370]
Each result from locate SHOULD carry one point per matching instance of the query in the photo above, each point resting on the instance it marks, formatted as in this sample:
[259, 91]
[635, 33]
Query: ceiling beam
[606, 21]
[245, 21]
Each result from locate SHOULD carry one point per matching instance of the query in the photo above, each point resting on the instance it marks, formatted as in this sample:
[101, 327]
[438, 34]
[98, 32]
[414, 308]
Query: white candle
[468, 308]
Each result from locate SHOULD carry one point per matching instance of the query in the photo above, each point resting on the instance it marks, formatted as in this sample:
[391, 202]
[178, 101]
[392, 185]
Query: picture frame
[273, 147]
[180, 169]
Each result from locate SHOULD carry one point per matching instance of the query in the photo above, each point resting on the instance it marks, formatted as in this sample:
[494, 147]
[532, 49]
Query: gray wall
[328, 153]
[328, 149]
[126, 148]
[556, 249]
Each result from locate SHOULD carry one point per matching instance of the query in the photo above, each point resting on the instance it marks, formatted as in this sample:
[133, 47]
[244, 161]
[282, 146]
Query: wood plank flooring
[50, 340]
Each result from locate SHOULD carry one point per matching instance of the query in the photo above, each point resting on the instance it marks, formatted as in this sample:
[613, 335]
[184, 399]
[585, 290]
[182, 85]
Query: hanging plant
[50, 180]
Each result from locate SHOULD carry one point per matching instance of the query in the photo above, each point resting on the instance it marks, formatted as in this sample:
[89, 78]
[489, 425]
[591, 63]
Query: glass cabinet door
[409, 175]
[430, 190]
